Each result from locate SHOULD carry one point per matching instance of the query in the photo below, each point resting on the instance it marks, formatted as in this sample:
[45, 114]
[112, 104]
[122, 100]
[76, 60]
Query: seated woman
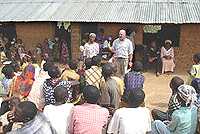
[167, 57]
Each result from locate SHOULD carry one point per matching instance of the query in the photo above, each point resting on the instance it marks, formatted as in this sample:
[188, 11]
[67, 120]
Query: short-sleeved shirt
[88, 119]
[130, 121]
[133, 80]
[59, 116]
[122, 49]
[184, 121]
[109, 93]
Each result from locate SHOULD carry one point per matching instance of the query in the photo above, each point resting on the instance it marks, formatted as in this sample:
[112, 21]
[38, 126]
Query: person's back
[186, 119]
[53, 82]
[70, 73]
[109, 90]
[93, 75]
[39, 125]
[89, 118]
[110, 95]
[34, 122]
[134, 79]
[59, 114]
[36, 94]
[120, 84]
[132, 121]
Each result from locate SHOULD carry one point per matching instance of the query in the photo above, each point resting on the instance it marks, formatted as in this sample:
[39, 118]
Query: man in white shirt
[131, 120]
[59, 114]
[91, 48]
[123, 53]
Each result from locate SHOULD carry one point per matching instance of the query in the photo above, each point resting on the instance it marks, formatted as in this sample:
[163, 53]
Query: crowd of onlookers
[89, 97]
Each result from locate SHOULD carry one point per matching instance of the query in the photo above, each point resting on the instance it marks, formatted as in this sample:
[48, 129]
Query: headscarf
[188, 94]
[168, 41]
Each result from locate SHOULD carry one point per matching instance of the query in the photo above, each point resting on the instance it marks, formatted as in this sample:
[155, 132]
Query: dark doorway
[169, 32]
[8, 30]
[87, 28]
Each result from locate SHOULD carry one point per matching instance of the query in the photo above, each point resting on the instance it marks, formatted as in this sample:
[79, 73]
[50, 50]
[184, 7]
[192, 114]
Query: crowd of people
[95, 97]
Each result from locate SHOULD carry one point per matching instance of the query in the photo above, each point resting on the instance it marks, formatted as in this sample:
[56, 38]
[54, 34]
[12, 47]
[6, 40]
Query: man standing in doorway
[123, 53]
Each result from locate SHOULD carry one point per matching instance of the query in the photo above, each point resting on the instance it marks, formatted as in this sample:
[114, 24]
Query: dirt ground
[157, 89]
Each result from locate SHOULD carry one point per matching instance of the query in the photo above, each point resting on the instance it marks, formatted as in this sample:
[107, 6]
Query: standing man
[123, 53]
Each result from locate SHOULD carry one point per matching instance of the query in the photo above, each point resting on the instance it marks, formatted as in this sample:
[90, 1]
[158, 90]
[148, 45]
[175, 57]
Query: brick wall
[75, 40]
[189, 44]
[34, 32]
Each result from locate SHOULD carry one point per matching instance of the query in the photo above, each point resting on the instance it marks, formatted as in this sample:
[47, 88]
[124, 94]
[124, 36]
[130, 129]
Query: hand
[130, 64]
[10, 117]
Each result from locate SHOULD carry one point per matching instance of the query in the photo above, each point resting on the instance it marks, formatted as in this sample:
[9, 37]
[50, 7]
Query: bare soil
[157, 89]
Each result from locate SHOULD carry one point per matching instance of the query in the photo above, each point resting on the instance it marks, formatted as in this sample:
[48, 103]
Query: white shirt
[130, 121]
[91, 50]
[59, 116]
[36, 94]
[122, 48]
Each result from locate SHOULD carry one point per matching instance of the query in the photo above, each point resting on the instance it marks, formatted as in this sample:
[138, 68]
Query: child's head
[196, 84]
[107, 70]
[91, 94]
[96, 60]
[175, 83]
[196, 58]
[136, 98]
[138, 66]
[15, 66]
[54, 72]
[73, 65]
[8, 71]
[114, 67]
[88, 63]
[60, 94]
[47, 66]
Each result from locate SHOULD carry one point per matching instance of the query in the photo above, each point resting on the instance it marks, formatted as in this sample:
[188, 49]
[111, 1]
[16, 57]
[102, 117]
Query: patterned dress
[48, 90]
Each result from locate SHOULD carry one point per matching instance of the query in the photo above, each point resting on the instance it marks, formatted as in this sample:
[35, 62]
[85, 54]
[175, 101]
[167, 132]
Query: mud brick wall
[75, 40]
[189, 44]
[33, 33]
